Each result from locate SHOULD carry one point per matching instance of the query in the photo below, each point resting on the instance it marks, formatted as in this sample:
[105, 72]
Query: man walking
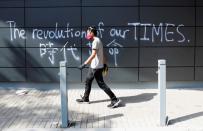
[97, 64]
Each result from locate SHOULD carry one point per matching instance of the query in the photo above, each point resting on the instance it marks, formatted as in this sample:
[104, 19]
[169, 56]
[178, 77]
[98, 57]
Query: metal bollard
[64, 95]
[163, 119]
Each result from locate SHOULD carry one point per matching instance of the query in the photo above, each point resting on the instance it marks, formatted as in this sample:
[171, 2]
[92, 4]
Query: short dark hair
[93, 29]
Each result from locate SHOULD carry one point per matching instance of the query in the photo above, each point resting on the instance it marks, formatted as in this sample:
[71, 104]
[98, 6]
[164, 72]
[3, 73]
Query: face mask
[89, 37]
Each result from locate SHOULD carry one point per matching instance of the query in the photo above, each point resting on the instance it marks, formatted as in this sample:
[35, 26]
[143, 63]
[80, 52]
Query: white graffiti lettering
[72, 50]
[47, 49]
[114, 51]
[155, 33]
[16, 32]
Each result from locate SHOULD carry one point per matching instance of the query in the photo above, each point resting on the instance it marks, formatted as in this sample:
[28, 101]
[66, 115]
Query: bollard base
[166, 123]
[69, 124]
[167, 120]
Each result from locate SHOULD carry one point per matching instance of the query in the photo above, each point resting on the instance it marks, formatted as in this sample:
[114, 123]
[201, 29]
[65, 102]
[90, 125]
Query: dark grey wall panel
[199, 16]
[86, 52]
[167, 2]
[199, 56]
[74, 75]
[126, 57]
[39, 17]
[12, 74]
[118, 57]
[173, 74]
[12, 57]
[6, 40]
[174, 56]
[128, 75]
[199, 73]
[180, 74]
[167, 36]
[48, 3]
[11, 14]
[174, 15]
[43, 74]
[127, 47]
[11, 3]
[148, 74]
[58, 37]
[37, 57]
[199, 2]
[118, 75]
[109, 2]
[110, 16]
[50, 57]
[51, 74]
[199, 37]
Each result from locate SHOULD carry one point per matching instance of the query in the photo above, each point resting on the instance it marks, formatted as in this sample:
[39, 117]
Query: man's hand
[82, 66]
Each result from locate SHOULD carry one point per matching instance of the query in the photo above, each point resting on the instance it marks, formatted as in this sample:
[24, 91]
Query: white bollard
[163, 119]
[64, 95]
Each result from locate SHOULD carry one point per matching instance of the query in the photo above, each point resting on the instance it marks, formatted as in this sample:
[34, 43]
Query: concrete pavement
[40, 109]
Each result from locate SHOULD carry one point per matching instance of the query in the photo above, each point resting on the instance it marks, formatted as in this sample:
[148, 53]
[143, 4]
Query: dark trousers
[97, 74]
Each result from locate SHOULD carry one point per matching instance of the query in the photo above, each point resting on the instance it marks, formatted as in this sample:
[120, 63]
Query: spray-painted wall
[36, 34]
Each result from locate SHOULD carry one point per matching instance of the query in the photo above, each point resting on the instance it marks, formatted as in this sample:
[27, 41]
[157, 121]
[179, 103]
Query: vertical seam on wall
[25, 42]
[81, 38]
[138, 75]
[195, 43]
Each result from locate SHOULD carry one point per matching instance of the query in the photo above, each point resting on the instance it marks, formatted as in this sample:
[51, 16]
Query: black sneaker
[83, 100]
[114, 103]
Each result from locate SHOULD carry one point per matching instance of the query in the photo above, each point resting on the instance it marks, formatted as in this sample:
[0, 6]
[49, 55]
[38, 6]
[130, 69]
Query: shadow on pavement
[137, 99]
[96, 119]
[132, 99]
[185, 118]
